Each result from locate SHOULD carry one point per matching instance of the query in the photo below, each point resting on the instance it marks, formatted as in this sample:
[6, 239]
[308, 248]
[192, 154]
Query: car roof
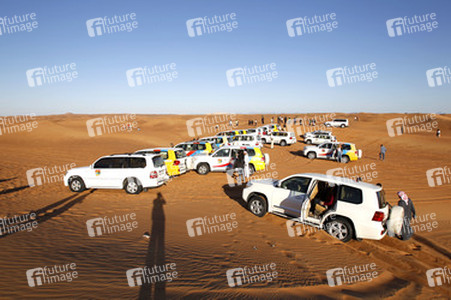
[159, 149]
[341, 180]
[134, 155]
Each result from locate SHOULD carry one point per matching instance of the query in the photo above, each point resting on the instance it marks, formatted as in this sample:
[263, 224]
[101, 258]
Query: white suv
[337, 123]
[247, 140]
[319, 139]
[344, 208]
[132, 172]
[281, 138]
[313, 133]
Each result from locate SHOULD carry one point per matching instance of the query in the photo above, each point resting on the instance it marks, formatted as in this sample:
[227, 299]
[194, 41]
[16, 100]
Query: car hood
[266, 181]
[310, 148]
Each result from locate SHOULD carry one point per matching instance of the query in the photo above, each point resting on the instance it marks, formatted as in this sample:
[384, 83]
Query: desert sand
[61, 235]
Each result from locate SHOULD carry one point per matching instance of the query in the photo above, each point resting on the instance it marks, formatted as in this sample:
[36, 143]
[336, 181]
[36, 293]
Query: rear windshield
[158, 161]
[381, 199]
[250, 152]
[346, 147]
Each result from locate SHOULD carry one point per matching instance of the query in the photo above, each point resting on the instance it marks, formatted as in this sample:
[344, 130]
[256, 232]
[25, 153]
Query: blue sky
[202, 61]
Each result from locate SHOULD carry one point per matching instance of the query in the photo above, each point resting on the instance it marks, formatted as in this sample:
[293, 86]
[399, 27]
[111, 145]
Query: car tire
[203, 169]
[345, 159]
[283, 143]
[132, 186]
[308, 142]
[342, 125]
[76, 184]
[251, 169]
[311, 155]
[264, 141]
[257, 205]
[341, 229]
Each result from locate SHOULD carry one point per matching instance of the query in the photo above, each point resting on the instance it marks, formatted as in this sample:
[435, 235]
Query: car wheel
[309, 142]
[132, 186]
[345, 159]
[283, 143]
[203, 169]
[340, 229]
[251, 169]
[311, 155]
[76, 184]
[257, 205]
[264, 141]
[342, 125]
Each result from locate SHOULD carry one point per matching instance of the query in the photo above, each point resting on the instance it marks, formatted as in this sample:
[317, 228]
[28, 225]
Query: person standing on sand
[256, 123]
[263, 120]
[409, 213]
[246, 166]
[339, 153]
[382, 152]
[438, 133]
[272, 120]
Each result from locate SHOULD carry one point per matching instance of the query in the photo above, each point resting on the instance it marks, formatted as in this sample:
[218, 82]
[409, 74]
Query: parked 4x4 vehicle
[175, 159]
[337, 123]
[344, 208]
[326, 151]
[281, 138]
[132, 172]
[316, 132]
[195, 148]
[221, 159]
[246, 140]
[319, 139]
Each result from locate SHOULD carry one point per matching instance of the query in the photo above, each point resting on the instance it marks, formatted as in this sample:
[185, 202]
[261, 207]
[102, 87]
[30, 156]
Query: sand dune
[61, 235]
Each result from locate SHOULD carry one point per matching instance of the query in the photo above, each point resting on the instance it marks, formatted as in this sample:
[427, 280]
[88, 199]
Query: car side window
[110, 163]
[350, 195]
[296, 184]
[137, 162]
[346, 147]
[222, 153]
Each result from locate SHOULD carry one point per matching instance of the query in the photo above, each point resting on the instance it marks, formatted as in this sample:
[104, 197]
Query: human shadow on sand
[155, 251]
[46, 213]
[16, 189]
[7, 179]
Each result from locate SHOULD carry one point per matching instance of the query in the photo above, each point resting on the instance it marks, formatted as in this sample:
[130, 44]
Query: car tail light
[291, 137]
[153, 175]
[177, 162]
[263, 158]
[378, 216]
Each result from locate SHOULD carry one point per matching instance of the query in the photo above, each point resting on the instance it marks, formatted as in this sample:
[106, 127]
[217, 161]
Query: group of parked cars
[344, 208]
[148, 168]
